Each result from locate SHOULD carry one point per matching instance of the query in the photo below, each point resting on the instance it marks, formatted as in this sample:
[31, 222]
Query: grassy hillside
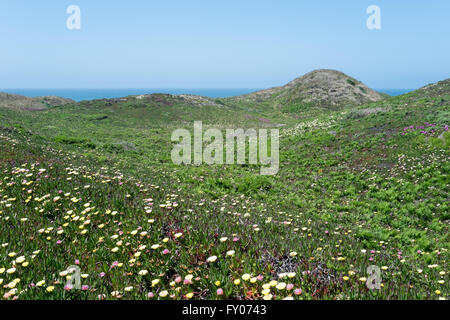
[92, 184]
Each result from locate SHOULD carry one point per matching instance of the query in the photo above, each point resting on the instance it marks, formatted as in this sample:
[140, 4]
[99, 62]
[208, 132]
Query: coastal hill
[320, 87]
[15, 101]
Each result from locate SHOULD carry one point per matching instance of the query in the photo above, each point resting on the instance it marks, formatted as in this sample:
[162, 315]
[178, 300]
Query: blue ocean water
[394, 92]
[90, 94]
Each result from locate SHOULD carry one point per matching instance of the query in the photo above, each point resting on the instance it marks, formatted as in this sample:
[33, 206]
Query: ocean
[90, 94]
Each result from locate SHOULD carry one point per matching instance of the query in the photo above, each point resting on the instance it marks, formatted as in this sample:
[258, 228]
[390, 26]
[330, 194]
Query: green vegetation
[92, 184]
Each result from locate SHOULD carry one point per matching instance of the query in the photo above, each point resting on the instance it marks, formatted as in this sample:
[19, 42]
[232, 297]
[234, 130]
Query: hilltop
[15, 101]
[328, 88]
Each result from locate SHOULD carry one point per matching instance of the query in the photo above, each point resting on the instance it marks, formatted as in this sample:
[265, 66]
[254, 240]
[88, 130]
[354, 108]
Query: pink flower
[85, 287]
[165, 251]
[102, 274]
[114, 264]
[77, 261]
[219, 292]
[67, 288]
[260, 277]
[289, 286]
[187, 281]
[298, 291]
[178, 279]
[235, 239]
[150, 295]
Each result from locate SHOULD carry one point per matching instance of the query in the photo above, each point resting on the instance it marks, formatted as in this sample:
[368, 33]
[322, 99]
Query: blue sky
[220, 44]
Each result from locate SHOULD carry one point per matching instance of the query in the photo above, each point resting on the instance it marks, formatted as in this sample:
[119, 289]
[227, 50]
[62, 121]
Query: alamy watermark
[73, 22]
[374, 279]
[73, 278]
[213, 152]
[374, 20]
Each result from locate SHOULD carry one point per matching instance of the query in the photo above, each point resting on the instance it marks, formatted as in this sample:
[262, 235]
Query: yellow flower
[128, 289]
[143, 272]
[246, 277]
[40, 283]
[212, 259]
[189, 295]
[237, 282]
[50, 288]
[163, 293]
[155, 282]
[217, 283]
[265, 291]
[11, 270]
[438, 292]
[273, 283]
[281, 286]
[268, 297]
[293, 253]
[230, 253]
[362, 279]
[345, 278]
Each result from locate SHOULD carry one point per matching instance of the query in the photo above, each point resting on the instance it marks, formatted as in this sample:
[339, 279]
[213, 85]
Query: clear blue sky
[220, 44]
